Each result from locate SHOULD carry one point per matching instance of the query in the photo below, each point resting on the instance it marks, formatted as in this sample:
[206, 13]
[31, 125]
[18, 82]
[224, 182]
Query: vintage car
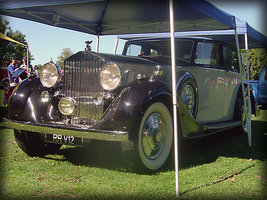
[128, 98]
[4, 80]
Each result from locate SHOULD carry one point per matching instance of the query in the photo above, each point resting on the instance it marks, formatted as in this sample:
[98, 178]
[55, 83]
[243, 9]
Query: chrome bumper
[68, 131]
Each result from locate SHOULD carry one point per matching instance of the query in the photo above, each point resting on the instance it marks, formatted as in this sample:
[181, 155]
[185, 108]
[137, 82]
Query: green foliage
[66, 52]
[10, 49]
[257, 61]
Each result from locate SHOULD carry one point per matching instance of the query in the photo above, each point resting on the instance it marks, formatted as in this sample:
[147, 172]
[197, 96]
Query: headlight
[110, 76]
[50, 74]
[67, 106]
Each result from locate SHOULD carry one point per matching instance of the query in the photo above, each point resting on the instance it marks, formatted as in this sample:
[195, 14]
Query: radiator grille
[81, 82]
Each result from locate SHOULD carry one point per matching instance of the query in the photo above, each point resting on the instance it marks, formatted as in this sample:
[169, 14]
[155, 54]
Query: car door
[209, 75]
[232, 81]
[263, 87]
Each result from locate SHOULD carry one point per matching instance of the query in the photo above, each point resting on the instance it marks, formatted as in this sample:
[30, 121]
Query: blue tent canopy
[255, 38]
[113, 17]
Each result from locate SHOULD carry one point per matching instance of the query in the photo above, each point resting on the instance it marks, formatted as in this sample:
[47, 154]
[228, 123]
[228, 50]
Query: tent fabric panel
[4, 37]
[14, 4]
[102, 17]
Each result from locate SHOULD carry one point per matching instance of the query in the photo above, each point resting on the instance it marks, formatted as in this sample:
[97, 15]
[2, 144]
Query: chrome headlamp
[67, 106]
[110, 76]
[50, 74]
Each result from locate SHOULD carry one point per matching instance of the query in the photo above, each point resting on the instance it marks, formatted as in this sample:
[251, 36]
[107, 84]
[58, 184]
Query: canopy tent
[255, 38]
[113, 17]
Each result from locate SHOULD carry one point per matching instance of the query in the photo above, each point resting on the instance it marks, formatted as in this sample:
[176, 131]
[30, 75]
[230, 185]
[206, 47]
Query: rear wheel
[155, 138]
[241, 112]
[244, 113]
[5, 84]
[32, 144]
[187, 90]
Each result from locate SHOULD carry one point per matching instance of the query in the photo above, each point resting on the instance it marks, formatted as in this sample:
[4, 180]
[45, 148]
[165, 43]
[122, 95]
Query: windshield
[159, 48]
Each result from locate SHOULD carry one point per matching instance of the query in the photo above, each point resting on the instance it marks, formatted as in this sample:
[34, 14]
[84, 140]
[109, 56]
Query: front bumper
[68, 131]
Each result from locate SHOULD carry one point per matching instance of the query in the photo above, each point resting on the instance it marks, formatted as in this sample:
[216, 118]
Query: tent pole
[97, 43]
[174, 97]
[28, 74]
[241, 72]
[116, 46]
[249, 102]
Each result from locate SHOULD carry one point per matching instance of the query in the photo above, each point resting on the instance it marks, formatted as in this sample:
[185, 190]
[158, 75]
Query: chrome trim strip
[68, 131]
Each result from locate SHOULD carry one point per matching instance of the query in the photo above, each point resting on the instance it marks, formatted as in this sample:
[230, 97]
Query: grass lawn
[220, 166]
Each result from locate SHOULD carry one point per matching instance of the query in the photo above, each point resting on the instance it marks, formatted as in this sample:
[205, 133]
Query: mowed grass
[220, 166]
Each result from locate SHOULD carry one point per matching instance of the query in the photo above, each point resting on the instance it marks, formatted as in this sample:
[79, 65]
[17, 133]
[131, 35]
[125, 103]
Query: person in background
[23, 75]
[11, 69]
[24, 64]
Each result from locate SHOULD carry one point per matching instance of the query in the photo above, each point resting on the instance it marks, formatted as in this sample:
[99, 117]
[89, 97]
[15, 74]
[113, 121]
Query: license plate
[64, 139]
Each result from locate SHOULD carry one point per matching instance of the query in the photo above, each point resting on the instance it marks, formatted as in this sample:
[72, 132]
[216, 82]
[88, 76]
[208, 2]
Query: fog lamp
[98, 99]
[67, 106]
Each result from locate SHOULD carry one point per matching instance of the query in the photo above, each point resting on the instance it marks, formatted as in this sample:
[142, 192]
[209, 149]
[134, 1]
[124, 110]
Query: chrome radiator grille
[81, 83]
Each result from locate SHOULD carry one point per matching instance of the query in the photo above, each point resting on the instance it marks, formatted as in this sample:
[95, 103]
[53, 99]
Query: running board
[223, 125]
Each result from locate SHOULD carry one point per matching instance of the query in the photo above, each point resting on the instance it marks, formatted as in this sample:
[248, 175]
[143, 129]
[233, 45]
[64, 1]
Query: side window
[154, 52]
[208, 54]
[134, 50]
[230, 59]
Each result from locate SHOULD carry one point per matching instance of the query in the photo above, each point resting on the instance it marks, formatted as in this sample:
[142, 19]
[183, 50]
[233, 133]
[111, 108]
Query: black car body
[128, 98]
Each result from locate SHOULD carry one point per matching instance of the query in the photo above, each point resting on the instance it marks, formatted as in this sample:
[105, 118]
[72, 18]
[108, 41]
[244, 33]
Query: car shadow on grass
[192, 152]
[229, 143]
[101, 154]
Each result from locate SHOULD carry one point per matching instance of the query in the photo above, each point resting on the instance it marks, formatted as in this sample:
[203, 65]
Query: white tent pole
[241, 72]
[28, 74]
[174, 97]
[116, 46]
[97, 43]
[249, 103]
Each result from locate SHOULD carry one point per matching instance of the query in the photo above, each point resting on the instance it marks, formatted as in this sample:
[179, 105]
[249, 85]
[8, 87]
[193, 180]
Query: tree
[257, 61]
[10, 49]
[66, 52]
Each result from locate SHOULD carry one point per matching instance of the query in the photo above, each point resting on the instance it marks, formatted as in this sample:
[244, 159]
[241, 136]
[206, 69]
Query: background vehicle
[127, 98]
[4, 75]
[260, 88]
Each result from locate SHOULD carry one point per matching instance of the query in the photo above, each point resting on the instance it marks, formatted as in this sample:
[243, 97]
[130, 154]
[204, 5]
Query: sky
[47, 42]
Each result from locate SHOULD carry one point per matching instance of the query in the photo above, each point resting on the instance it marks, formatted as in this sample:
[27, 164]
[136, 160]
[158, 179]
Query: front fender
[19, 97]
[26, 104]
[125, 113]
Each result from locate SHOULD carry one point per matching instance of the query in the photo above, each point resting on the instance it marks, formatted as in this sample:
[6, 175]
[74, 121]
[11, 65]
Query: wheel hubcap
[188, 98]
[153, 136]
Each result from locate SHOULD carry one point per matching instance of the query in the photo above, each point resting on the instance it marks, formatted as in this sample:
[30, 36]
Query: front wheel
[32, 144]
[155, 139]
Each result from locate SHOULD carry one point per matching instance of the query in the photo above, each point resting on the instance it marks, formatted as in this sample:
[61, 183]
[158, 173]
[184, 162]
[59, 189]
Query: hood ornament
[88, 47]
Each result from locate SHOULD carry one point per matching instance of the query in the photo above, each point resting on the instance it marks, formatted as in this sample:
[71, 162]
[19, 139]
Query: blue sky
[47, 42]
